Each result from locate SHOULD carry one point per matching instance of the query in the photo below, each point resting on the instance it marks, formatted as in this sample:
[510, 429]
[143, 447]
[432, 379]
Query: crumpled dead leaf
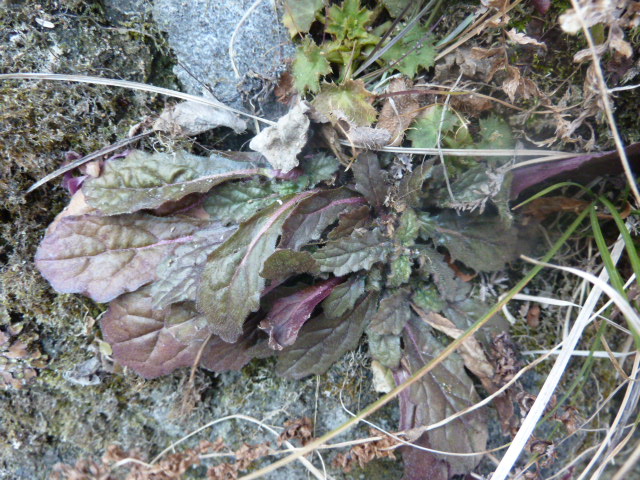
[518, 86]
[523, 39]
[281, 143]
[398, 111]
[477, 63]
[471, 351]
[191, 118]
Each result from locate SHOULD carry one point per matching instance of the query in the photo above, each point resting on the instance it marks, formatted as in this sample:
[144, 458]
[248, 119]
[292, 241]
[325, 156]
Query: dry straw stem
[559, 367]
[604, 93]
[427, 368]
[131, 85]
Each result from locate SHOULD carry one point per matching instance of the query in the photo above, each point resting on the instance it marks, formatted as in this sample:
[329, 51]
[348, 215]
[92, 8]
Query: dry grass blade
[559, 367]
[478, 152]
[87, 158]
[131, 85]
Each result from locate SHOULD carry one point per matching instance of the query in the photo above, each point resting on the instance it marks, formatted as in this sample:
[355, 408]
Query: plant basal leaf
[310, 64]
[284, 263]
[324, 340]
[370, 179]
[103, 257]
[356, 252]
[235, 202]
[178, 274]
[230, 284]
[143, 181]
[343, 297]
[299, 15]
[288, 314]
[393, 313]
[348, 100]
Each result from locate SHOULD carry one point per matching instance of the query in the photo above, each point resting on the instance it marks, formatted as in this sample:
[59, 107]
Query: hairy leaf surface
[313, 215]
[154, 342]
[288, 314]
[356, 252]
[230, 284]
[370, 179]
[393, 313]
[300, 14]
[440, 393]
[324, 340]
[178, 274]
[310, 64]
[142, 180]
[236, 202]
[349, 101]
[284, 263]
[481, 242]
[343, 297]
[103, 257]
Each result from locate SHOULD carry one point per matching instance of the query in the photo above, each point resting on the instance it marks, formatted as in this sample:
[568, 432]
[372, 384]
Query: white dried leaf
[522, 39]
[191, 118]
[368, 137]
[281, 143]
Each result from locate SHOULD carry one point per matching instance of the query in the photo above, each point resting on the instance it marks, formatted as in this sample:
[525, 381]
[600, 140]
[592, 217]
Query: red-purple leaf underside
[103, 257]
[288, 314]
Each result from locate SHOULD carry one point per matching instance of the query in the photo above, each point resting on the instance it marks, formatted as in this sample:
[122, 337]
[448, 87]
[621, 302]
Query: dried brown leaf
[398, 111]
[523, 39]
[299, 428]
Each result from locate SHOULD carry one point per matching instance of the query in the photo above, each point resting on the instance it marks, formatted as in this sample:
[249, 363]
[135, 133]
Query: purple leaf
[582, 168]
[314, 214]
[542, 6]
[284, 263]
[445, 390]
[323, 340]
[288, 314]
[103, 257]
[393, 313]
[156, 342]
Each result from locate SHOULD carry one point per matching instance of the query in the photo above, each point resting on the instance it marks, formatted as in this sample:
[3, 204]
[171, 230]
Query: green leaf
[424, 133]
[103, 257]
[410, 189]
[442, 392]
[179, 274]
[300, 14]
[143, 180]
[343, 297]
[309, 65]
[481, 242]
[400, 271]
[285, 263]
[359, 251]
[427, 298]
[384, 348]
[348, 21]
[393, 313]
[495, 133]
[323, 340]
[408, 228]
[320, 168]
[370, 179]
[423, 54]
[349, 100]
[230, 285]
[235, 202]
[395, 7]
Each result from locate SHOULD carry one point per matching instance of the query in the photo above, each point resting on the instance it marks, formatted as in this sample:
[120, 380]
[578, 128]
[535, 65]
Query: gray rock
[200, 32]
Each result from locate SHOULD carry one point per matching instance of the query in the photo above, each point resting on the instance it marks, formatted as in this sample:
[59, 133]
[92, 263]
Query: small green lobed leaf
[178, 274]
[230, 284]
[144, 181]
[349, 100]
[424, 131]
[359, 251]
[343, 297]
[300, 14]
[103, 257]
[400, 270]
[495, 133]
[422, 52]
[408, 227]
[427, 297]
[323, 340]
[309, 65]
[384, 348]
[348, 21]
